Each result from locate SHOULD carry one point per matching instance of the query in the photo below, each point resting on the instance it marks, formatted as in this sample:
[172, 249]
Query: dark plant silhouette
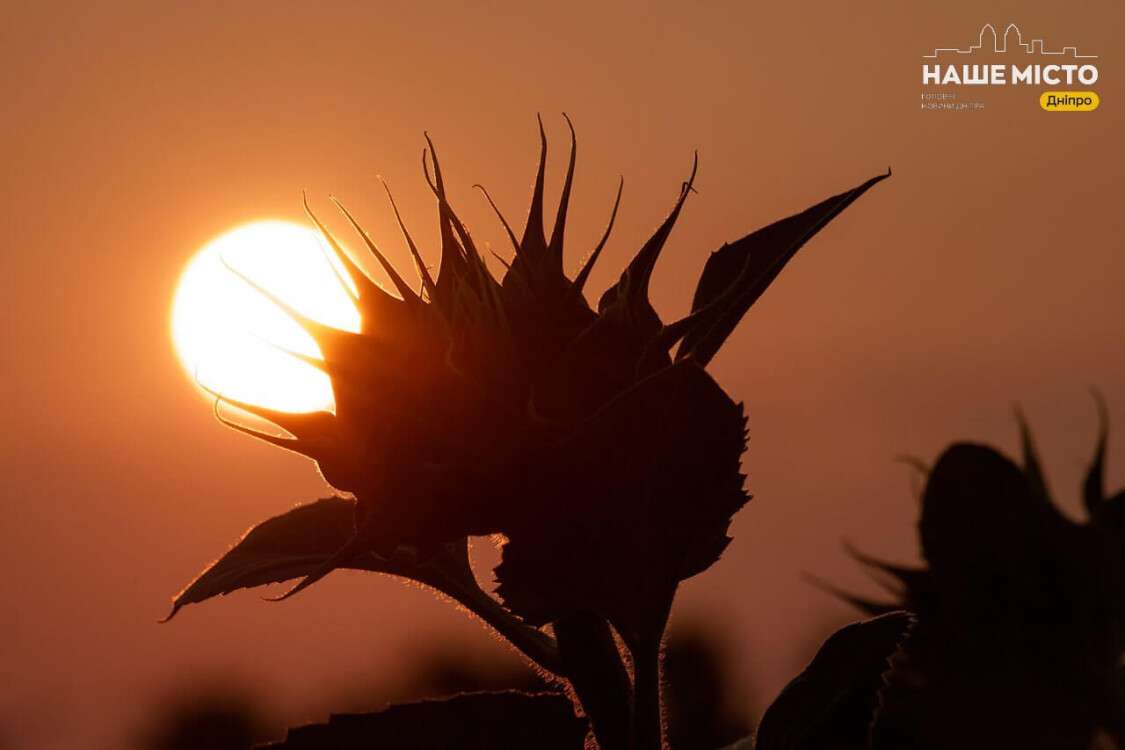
[216, 719]
[702, 706]
[472, 721]
[698, 705]
[835, 703]
[1021, 615]
[450, 671]
[591, 438]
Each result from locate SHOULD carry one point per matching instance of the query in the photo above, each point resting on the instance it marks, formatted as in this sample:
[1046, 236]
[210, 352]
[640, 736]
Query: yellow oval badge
[1069, 101]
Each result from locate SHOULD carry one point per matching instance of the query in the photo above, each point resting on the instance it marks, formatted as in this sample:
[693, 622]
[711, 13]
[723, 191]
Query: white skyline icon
[1012, 41]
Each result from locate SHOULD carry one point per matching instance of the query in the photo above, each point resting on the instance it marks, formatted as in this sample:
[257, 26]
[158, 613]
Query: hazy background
[987, 271]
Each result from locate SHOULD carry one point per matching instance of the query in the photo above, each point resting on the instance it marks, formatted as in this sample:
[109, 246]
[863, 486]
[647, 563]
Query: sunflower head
[590, 436]
[1021, 610]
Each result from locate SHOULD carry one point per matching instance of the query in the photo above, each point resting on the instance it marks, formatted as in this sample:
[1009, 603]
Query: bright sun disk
[233, 340]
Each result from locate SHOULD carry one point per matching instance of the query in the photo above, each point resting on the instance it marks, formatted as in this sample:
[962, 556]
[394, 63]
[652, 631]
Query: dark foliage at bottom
[470, 721]
[213, 720]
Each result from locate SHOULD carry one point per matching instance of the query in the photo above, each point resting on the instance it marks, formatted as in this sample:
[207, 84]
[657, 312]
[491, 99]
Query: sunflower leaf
[833, 703]
[291, 545]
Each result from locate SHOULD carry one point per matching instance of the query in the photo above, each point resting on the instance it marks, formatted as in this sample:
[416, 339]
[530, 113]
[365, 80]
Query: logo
[1007, 61]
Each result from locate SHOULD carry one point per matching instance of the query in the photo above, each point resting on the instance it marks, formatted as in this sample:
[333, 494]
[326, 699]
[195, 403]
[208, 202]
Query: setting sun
[233, 340]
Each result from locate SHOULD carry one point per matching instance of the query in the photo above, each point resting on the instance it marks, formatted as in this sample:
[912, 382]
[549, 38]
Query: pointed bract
[408, 295]
[588, 266]
[420, 264]
[737, 274]
[556, 243]
[534, 244]
[1032, 468]
[503, 221]
[632, 288]
[1093, 488]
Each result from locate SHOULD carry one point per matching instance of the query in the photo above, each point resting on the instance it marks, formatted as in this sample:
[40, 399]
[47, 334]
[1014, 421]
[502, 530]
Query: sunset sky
[986, 272]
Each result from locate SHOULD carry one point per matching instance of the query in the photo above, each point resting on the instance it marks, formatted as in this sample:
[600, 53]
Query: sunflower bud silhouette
[1020, 610]
[591, 438]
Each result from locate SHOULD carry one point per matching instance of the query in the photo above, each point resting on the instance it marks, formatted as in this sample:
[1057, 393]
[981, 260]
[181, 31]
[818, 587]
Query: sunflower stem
[532, 643]
[648, 718]
[592, 665]
[644, 637]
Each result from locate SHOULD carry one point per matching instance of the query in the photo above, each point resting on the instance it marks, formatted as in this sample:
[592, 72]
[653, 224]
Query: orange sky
[987, 271]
